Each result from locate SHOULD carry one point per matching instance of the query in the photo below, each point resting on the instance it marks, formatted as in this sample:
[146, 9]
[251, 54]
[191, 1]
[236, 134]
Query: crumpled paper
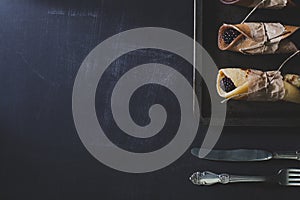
[272, 4]
[265, 86]
[267, 37]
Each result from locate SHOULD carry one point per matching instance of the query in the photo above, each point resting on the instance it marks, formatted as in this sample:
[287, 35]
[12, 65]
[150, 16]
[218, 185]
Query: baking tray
[210, 15]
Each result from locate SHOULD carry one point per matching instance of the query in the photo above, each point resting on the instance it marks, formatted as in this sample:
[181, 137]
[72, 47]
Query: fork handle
[237, 178]
[210, 178]
[288, 155]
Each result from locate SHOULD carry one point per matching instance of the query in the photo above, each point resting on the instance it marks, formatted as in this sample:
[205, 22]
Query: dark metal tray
[211, 14]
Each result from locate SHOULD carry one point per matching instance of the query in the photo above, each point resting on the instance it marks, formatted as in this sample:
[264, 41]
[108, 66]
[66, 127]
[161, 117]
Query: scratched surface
[42, 44]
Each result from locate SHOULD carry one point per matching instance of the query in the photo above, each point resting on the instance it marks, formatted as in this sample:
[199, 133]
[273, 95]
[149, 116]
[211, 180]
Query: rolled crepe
[268, 4]
[259, 38]
[255, 85]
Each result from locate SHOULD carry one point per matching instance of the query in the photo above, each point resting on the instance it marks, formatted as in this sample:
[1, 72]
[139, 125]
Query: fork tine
[294, 180]
[293, 184]
[293, 175]
[294, 170]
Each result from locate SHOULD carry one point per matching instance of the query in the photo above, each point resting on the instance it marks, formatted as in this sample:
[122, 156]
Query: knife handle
[288, 155]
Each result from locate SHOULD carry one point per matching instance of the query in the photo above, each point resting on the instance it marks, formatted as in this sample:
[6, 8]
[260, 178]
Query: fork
[285, 177]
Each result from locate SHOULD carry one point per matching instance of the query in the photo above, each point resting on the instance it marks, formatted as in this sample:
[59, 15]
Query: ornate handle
[209, 178]
[287, 155]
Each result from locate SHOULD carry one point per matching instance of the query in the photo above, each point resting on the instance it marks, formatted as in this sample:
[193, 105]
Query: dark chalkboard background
[41, 157]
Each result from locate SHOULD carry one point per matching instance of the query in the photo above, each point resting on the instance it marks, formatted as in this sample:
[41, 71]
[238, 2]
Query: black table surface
[251, 113]
[43, 43]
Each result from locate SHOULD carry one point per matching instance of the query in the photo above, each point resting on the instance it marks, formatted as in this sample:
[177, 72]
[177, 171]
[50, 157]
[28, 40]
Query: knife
[245, 155]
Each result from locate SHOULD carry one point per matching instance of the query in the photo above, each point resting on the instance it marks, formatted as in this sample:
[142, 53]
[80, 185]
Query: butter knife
[245, 155]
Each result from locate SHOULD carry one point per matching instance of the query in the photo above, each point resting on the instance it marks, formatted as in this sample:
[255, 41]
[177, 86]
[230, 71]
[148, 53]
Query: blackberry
[229, 35]
[227, 85]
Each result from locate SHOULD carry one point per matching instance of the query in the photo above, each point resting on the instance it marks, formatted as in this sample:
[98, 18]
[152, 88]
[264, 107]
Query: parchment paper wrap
[267, 36]
[268, 4]
[272, 4]
[271, 82]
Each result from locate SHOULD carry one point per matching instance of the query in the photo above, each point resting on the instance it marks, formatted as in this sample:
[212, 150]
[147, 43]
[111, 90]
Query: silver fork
[286, 177]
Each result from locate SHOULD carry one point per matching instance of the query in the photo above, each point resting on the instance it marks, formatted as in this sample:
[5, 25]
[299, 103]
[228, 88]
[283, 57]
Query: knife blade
[244, 155]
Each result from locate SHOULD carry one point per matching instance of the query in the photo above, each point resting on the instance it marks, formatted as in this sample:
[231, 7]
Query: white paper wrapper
[267, 37]
[272, 4]
[265, 86]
